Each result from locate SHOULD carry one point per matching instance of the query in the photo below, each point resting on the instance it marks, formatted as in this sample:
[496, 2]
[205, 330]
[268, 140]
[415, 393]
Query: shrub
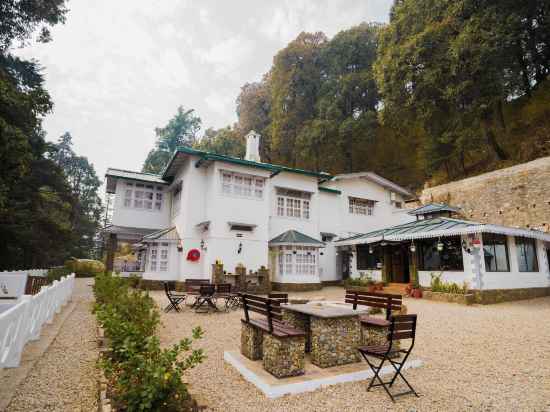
[361, 281]
[437, 285]
[85, 267]
[57, 273]
[142, 376]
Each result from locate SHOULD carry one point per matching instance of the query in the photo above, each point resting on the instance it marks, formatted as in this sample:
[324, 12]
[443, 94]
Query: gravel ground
[65, 377]
[493, 357]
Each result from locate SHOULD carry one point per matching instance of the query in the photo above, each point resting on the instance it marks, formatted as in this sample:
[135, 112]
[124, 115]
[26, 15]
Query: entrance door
[345, 264]
[399, 264]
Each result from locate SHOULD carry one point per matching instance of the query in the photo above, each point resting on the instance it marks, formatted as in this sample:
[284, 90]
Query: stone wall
[517, 196]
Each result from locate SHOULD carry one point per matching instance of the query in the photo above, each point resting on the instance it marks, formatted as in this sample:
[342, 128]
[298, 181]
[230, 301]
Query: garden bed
[464, 299]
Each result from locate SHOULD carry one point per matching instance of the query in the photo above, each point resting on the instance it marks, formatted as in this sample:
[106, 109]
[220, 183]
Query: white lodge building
[207, 207]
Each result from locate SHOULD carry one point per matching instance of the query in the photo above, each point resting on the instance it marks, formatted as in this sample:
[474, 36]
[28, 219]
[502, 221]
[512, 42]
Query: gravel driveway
[65, 377]
[493, 357]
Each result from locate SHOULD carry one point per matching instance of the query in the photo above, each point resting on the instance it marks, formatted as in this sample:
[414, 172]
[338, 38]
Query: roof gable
[293, 237]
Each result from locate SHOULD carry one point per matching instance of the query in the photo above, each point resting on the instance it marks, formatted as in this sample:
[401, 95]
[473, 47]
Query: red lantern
[193, 255]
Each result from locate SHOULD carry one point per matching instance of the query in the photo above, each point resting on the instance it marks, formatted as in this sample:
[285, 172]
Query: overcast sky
[117, 69]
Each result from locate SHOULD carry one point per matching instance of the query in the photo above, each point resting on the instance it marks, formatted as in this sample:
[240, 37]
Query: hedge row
[141, 375]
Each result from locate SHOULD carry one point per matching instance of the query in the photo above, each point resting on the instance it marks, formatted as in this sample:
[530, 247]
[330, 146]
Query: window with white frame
[293, 203]
[159, 257]
[297, 260]
[359, 206]
[143, 196]
[243, 185]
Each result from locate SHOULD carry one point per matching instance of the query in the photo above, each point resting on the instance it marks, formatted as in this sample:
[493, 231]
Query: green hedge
[85, 267]
[141, 375]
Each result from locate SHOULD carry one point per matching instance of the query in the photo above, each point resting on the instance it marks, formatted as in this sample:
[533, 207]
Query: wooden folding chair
[174, 298]
[401, 327]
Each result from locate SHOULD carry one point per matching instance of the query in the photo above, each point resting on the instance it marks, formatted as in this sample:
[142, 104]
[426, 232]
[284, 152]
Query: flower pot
[416, 293]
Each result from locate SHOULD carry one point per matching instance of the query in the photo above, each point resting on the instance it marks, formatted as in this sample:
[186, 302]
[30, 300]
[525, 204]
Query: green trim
[228, 159]
[329, 190]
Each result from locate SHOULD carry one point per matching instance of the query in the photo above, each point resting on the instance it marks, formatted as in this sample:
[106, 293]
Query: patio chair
[192, 288]
[401, 327]
[174, 298]
[206, 299]
[223, 291]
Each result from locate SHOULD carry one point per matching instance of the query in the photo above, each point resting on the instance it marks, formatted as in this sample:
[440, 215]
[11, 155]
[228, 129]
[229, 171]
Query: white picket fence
[23, 322]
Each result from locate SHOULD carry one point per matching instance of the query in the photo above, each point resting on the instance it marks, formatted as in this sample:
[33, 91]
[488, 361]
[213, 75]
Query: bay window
[293, 203]
[450, 258]
[297, 260]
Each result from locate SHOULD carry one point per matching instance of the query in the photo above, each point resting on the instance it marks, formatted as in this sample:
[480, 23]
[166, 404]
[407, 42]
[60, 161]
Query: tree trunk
[492, 142]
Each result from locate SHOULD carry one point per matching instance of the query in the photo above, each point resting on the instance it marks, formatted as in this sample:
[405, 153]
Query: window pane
[495, 253]
[127, 202]
[527, 255]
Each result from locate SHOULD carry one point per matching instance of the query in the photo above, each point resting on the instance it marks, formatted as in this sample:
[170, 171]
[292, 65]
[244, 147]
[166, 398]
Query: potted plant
[416, 290]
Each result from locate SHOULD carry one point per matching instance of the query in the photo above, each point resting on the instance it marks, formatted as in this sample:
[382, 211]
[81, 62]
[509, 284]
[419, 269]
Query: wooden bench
[279, 345]
[385, 301]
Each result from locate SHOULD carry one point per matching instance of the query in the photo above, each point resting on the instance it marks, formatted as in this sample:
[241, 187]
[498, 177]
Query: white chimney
[253, 146]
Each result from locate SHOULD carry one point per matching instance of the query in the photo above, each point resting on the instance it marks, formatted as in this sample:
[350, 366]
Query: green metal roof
[439, 227]
[293, 237]
[330, 190]
[433, 208]
[235, 160]
[140, 176]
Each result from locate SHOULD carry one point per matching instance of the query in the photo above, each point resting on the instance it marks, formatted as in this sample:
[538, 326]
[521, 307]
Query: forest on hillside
[447, 89]
[50, 207]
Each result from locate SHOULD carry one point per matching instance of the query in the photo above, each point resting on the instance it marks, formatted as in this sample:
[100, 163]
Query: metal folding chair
[206, 297]
[401, 327]
[174, 298]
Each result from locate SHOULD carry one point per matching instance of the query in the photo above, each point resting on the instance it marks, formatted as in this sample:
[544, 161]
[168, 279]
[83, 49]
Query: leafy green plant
[56, 273]
[361, 281]
[141, 374]
[437, 285]
[85, 267]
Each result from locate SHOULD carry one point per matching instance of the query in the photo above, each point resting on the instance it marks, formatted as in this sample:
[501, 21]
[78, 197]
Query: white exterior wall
[130, 217]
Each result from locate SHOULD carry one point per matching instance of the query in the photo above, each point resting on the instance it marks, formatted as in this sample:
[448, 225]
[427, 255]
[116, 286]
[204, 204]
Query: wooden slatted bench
[279, 345]
[34, 284]
[374, 329]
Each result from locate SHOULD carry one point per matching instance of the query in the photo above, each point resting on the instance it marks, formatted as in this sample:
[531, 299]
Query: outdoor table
[333, 330]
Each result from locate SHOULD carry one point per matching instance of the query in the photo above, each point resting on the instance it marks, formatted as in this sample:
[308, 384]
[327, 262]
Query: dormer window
[358, 206]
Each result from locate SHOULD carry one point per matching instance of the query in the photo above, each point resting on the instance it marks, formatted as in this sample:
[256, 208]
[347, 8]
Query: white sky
[117, 69]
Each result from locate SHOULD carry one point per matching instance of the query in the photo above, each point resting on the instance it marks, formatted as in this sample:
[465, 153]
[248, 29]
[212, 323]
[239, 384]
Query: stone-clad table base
[334, 341]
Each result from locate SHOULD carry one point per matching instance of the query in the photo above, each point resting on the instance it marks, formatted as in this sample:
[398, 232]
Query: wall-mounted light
[203, 245]
[240, 249]
[440, 245]
[371, 250]
[180, 246]
[412, 247]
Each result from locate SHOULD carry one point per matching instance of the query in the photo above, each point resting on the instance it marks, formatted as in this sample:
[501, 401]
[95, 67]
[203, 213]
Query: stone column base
[251, 341]
[334, 341]
[284, 357]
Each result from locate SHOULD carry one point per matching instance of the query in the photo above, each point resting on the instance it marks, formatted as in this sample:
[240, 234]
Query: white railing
[23, 321]
[31, 272]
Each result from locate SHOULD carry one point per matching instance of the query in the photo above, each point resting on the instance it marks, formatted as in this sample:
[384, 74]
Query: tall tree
[181, 130]
[295, 84]
[224, 141]
[451, 66]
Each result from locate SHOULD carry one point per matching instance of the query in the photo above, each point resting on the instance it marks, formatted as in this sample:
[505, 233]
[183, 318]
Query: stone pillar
[283, 357]
[334, 341]
[240, 279]
[251, 341]
[263, 277]
[111, 249]
[217, 273]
